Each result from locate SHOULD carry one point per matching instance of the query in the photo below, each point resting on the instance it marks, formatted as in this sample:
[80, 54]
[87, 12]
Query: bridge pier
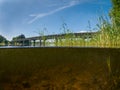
[44, 42]
[23, 43]
[29, 43]
[40, 42]
[56, 41]
[34, 42]
[13, 43]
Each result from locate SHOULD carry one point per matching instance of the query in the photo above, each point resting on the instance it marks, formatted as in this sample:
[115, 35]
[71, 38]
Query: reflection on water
[51, 45]
[17, 46]
[24, 46]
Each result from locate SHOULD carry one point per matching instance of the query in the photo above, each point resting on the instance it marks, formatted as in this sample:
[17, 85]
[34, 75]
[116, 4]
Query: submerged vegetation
[59, 69]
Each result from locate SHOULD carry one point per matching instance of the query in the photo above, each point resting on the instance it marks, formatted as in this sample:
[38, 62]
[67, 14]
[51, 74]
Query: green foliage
[115, 12]
[22, 36]
[3, 40]
[21, 43]
[107, 36]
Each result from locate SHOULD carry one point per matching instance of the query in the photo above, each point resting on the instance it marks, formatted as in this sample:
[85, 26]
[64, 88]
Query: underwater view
[59, 68]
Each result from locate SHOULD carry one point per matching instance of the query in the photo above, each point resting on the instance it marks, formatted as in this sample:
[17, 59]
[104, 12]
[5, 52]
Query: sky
[32, 17]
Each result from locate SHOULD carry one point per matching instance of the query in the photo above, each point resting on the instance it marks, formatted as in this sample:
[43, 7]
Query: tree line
[4, 41]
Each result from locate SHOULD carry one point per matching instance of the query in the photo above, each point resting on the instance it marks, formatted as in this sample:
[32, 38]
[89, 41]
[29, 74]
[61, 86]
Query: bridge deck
[23, 41]
[82, 35]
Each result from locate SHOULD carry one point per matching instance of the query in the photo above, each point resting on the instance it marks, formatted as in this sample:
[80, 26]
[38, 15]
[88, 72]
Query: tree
[22, 36]
[115, 12]
[21, 42]
[3, 40]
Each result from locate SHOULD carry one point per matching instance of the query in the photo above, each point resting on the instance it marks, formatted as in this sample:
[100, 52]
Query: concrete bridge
[42, 39]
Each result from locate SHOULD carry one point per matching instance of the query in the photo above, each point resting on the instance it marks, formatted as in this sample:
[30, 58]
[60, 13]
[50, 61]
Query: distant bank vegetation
[3, 41]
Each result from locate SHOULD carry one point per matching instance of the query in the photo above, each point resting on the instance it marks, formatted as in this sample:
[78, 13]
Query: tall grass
[108, 36]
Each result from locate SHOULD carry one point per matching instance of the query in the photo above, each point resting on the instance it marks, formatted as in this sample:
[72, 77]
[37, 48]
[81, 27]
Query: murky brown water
[59, 68]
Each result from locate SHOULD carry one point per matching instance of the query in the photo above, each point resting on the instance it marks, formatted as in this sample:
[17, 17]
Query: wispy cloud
[41, 15]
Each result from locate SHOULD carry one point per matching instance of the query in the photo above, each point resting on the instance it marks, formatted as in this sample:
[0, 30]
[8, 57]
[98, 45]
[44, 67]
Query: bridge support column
[29, 42]
[34, 42]
[18, 43]
[40, 43]
[23, 43]
[56, 41]
[13, 43]
[44, 42]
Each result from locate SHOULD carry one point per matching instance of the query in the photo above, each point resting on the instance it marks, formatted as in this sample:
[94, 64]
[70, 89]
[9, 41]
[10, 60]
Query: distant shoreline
[57, 47]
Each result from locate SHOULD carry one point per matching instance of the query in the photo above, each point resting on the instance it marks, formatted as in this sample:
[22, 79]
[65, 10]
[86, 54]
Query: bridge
[42, 39]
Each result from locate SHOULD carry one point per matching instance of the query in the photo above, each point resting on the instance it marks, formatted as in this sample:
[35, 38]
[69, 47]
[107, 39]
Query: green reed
[108, 36]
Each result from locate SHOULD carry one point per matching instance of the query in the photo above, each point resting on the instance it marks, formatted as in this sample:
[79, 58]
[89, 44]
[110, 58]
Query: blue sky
[29, 17]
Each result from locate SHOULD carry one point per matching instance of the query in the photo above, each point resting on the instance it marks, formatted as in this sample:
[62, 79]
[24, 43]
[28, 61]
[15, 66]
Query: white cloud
[70, 4]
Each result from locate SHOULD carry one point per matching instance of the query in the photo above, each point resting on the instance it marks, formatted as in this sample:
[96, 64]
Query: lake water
[17, 46]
